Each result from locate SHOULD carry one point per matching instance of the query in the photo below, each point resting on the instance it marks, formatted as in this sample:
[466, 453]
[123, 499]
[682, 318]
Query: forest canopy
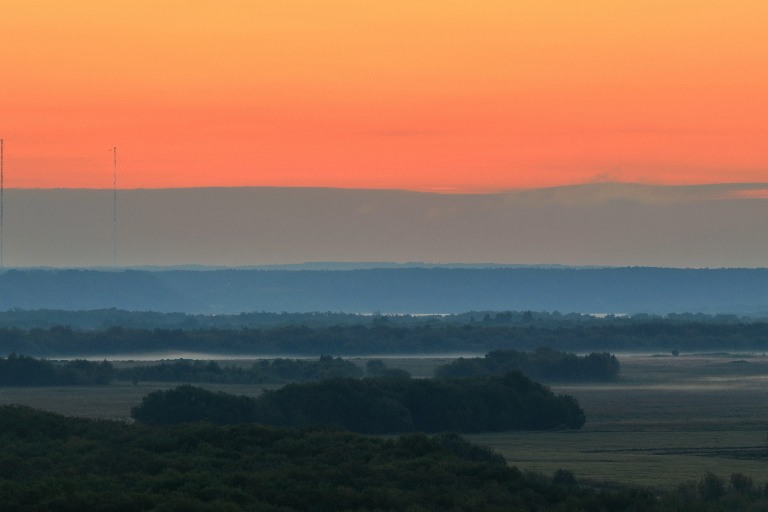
[378, 405]
[50, 462]
[543, 364]
[386, 336]
[19, 370]
[273, 371]
[53, 463]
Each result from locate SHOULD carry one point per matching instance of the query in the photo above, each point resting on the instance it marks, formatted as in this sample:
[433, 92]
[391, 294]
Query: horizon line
[432, 191]
[325, 266]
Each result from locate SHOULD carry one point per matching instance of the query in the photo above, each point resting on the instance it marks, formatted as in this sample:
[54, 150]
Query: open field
[709, 392]
[102, 402]
[668, 420]
[657, 459]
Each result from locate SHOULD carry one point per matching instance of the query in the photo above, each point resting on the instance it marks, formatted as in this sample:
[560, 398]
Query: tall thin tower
[114, 206]
[2, 189]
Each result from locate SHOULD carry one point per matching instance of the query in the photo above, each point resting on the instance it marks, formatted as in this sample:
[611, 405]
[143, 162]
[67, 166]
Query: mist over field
[598, 224]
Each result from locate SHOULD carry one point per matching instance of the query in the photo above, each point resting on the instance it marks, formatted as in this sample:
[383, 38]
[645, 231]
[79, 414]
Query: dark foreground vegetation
[53, 463]
[480, 333]
[543, 364]
[378, 405]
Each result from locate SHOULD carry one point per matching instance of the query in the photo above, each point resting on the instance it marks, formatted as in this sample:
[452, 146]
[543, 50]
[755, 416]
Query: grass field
[101, 402]
[668, 420]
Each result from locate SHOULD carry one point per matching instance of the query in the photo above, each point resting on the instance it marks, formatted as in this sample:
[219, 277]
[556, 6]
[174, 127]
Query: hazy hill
[393, 290]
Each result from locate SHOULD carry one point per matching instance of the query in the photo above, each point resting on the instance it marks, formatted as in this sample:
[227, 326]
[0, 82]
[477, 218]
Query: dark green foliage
[264, 371]
[462, 448]
[27, 371]
[377, 368]
[300, 370]
[407, 335]
[73, 464]
[184, 370]
[564, 477]
[543, 364]
[379, 405]
[187, 403]
[103, 319]
[711, 487]
[742, 483]
[357, 405]
[52, 463]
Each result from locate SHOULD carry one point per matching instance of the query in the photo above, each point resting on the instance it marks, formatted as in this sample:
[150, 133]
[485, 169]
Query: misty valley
[473, 411]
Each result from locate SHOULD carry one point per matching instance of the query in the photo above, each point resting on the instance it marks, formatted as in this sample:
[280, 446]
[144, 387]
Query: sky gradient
[454, 96]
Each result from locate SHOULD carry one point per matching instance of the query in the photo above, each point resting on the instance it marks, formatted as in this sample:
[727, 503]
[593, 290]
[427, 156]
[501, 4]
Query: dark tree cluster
[264, 371]
[186, 404]
[377, 368]
[386, 337]
[52, 463]
[378, 405]
[19, 370]
[543, 364]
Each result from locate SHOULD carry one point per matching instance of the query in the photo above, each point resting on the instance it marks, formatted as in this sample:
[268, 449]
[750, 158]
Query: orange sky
[426, 95]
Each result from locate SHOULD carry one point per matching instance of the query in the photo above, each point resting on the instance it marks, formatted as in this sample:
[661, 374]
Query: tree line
[383, 338]
[19, 370]
[378, 405]
[543, 364]
[272, 371]
[103, 319]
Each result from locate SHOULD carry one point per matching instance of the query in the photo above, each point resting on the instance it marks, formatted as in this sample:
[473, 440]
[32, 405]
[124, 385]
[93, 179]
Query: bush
[187, 404]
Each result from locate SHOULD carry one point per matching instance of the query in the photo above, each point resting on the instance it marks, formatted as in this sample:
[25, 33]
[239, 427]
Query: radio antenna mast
[2, 189]
[114, 206]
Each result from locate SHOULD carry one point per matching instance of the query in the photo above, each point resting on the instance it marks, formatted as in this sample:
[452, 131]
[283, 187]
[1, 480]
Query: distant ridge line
[610, 290]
